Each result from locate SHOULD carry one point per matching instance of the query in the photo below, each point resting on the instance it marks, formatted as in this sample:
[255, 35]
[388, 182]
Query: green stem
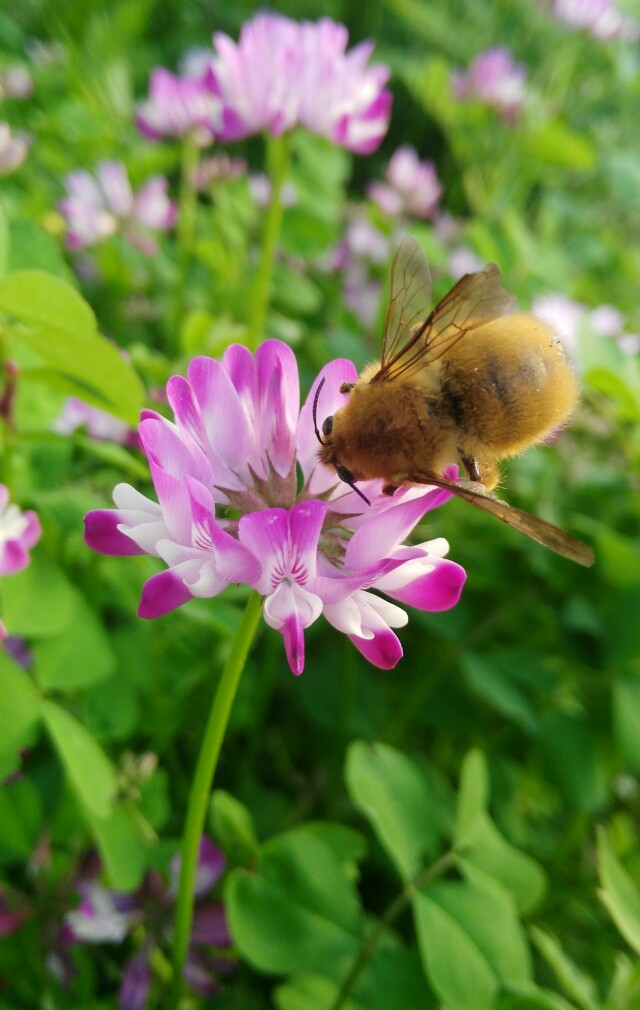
[185, 228]
[202, 781]
[397, 906]
[278, 160]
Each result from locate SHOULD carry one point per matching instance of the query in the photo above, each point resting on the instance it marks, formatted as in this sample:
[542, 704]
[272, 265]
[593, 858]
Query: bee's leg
[346, 387]
[390, 489]
[470, 463]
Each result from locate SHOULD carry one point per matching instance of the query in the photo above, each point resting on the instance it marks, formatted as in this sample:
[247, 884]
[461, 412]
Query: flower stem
[202, 781]
[278, 160]
[185, 228]
[397, 906]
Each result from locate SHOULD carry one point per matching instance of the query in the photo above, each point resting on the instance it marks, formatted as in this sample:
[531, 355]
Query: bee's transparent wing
[408, 302]
[537, 529]
[409, 345]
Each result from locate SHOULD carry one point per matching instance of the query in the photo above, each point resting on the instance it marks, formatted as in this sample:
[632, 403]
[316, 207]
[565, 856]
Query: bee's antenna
[357, 490]
[315, 410]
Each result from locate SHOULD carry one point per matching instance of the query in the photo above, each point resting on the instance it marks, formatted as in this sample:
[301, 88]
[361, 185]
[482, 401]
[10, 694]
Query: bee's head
[327, 451]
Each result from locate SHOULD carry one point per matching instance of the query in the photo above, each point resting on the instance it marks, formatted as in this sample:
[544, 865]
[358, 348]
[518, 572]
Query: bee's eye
[327, 426]
[344, 474]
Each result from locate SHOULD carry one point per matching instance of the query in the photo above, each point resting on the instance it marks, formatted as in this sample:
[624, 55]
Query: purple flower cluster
[97, 207]
[105, 916]
[279, 74]
[230, 510]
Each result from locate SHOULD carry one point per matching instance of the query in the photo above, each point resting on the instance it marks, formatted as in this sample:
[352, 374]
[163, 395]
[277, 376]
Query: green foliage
[461, 832]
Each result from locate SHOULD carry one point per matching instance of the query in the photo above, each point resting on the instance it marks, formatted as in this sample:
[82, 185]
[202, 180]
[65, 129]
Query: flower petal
[103, 533]
[162, 593]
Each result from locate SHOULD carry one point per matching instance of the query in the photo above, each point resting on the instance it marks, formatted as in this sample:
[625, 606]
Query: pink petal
[101, 534]
[331, 399]
[436, 590]
[162, 593]
[382, 534]
[293, 635]
[383, 650]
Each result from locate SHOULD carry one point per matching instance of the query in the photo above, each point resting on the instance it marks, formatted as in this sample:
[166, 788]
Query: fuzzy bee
[472, 383]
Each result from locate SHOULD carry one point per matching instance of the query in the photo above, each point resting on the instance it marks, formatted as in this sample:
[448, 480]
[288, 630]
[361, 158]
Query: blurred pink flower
[411, 186]
[98, 424]
[463, 260]
[283, 73]
[97, 207]
[16, 82]
[179, 105]
[230, 510]
[19, 532]
[601, 18]
[495, 78]
[568, 319]
[13, 150]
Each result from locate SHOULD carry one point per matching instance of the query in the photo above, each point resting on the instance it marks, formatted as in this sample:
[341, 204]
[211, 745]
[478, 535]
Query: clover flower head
[178, 105]
[601, 18]
[231, 509]
[410, 188]
[97, 207]
[19, 532]
[495, 78]
[283, 73]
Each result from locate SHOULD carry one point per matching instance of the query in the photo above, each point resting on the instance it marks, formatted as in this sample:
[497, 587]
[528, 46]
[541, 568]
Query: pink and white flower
[179, 105]
[99, 424]
[97, 207]
[19, 532]
[283, 73]
[411, 186]
[495, 78]
[601, 18]
[230, 509]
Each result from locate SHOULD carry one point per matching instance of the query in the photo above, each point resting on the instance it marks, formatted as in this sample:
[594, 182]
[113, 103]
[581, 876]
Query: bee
[473, 383]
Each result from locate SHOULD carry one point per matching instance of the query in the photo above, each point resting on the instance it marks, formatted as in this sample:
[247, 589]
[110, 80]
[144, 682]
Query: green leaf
[465, 961]
[299, 912]
[626, 718]
[123, 849]
[90, 772]
[482, 848]
[572, 756]
[60, 326]
[233, 827]
[393, 794]
[619, 892]
[80, 655]
[40, 601]
[530, 997]
[555, 144]
[311, 992]
[492, 677]
[578, 986]
[21, 818]
[19, 709]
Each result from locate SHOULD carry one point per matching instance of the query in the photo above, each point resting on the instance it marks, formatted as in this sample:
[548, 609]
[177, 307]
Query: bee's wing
[409, 298]
[544, 533]
[407, 344]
